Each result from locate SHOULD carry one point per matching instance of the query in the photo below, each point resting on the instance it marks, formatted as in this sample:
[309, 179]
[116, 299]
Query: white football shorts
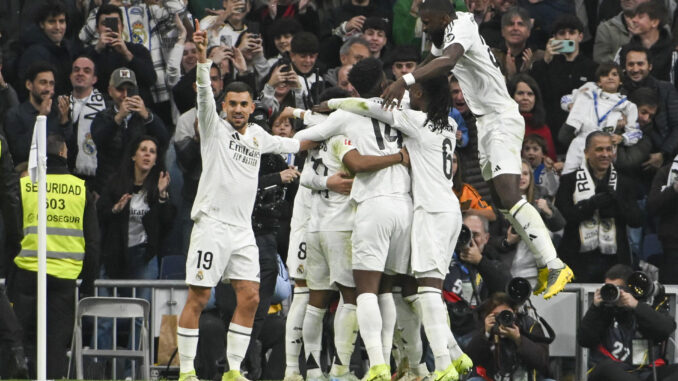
[221, 252]
[381, 235]
[329, 260]
[500, 141]
[434, 236]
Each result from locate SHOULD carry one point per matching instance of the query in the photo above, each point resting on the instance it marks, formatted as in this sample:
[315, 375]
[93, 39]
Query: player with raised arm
[460, 48]
[222, 245]
[381, 231]
[430, 139]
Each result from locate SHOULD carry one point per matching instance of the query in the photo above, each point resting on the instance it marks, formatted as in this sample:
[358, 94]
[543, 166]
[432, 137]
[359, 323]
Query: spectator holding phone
[115, 128]
[111, 52]
[562, 71]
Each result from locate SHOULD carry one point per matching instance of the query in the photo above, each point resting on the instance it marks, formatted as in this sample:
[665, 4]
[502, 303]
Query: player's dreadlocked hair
[437, 93]
[366, 76]
[437, 6]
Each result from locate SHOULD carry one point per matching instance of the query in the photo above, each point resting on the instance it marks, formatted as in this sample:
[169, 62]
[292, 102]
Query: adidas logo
[497, 168]
[532, 237]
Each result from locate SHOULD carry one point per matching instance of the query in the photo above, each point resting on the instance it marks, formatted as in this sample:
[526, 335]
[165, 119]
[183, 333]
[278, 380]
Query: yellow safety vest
[66, 198]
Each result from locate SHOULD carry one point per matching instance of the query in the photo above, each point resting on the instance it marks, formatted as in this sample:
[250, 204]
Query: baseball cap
[123, 75]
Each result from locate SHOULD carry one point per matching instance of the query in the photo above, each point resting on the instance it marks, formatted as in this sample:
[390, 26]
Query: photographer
[617, 332]
[505, 347]
[473, 258]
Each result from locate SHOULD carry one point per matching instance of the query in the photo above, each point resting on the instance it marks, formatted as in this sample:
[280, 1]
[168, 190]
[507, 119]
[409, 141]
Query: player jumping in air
[458, 47]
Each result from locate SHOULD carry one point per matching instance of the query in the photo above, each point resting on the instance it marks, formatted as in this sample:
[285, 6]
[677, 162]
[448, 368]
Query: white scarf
[595, 232]
[86, 161]
[673, 174]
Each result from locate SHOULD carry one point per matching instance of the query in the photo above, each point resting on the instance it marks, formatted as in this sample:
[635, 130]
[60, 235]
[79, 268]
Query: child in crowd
[545, 171]
[594, 107]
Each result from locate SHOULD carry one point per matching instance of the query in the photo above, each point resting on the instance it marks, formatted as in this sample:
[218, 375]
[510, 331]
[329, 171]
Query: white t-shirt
[370, 137]
[137, 210]
[230, 160]
[330, 211]
[477, 70]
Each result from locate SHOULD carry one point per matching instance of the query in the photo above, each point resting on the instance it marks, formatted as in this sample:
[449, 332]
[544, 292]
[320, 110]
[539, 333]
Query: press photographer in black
[627, 314]
[509, 344]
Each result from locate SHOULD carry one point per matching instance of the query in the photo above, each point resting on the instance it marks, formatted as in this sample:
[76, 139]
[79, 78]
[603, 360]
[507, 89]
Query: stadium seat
[173, 267]
[122, 308]
[651, 247]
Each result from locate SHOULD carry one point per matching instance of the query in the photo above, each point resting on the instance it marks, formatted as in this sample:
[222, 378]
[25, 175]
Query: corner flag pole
[38, 160]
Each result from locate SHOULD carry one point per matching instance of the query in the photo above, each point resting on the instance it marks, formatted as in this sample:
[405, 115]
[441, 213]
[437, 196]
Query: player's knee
[248, 298]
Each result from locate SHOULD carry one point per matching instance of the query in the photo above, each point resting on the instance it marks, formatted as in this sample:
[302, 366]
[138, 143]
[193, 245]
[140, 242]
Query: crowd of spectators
[596, 82]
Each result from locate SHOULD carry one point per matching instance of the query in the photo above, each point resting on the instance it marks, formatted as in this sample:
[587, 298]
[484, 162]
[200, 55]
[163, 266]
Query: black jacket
[113, 141]
[558, 78]
[665, 134]
[598, 329]
[19, 124]
[157, 223]
[664, 204]
[41, 48]
[624, 210]
[529, 355]
[108, 60]
[10, 205]
[660, 54]
[8, 100]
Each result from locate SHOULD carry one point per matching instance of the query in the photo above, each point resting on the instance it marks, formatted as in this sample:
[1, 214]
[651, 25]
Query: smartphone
[111, 23]
[132, 91]
[225, 40]
[566, 46]
[285, 68]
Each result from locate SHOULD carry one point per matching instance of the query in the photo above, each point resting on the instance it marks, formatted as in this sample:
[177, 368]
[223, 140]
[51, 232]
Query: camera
[259, 115]
[506, 318]
[110, 23]
[464, 239]
[609, 293]
[519, 290]
[285, 61]
[642, 287]
[268, 207]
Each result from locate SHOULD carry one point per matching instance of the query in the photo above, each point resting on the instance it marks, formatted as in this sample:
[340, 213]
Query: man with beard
[21, 119]
[460, 48]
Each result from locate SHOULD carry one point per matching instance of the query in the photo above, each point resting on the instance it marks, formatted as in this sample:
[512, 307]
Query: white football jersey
[370, 137]
[431, 161]
[330, 211]
[477, 70]
[230, 160]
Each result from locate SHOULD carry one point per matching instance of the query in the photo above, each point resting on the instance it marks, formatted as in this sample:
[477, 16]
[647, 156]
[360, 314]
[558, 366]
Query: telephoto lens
[464, 239]
[506, 318]
[519, 290]
[642, 287]
[609, 293]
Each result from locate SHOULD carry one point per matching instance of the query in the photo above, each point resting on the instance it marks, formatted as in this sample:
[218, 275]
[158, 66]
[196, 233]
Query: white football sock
[409, 326]
[187, 345]
[529, 225]
[432, 316]
[345, 333]
[293, 329]
[388, 318]
[237, 341]
[369, 322]
[313, 335]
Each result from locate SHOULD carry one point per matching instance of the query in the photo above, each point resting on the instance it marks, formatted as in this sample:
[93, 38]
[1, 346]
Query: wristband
[402, 157]
[297, 113]
[409, 79]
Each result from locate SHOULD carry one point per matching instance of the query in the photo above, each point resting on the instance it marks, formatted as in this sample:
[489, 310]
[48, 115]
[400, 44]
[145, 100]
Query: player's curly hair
[437, 93]
[366, 77]
[437, 6]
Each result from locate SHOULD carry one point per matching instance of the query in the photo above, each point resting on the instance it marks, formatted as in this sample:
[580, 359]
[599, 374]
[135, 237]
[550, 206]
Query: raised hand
[64, 109]
[45, 105]
[120, 205]
[163, 183]
[200, 40]
[393, 94]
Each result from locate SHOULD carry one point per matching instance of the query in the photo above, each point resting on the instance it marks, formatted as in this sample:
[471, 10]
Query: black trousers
[610, 370]
[60, 318]
[11, 335]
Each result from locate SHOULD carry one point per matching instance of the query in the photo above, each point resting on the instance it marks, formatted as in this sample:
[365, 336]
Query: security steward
[10, 238]
[72, 253]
